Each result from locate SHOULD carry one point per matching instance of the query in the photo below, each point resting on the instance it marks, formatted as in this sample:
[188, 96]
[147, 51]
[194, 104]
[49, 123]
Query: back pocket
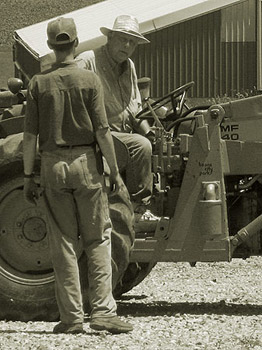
[90, 176]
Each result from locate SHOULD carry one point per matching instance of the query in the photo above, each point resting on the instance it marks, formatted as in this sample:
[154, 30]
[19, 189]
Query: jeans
[76, 204]
[135, 161]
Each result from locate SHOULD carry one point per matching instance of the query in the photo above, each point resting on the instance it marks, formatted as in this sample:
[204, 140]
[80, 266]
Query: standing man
[117, 72]
[65, 107]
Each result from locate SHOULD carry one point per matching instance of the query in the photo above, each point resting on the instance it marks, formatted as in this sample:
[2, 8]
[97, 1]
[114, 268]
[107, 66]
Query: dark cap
[61, 31]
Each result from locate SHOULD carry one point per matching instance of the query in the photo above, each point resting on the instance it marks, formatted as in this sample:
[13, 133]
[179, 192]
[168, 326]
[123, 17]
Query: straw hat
[128, 25]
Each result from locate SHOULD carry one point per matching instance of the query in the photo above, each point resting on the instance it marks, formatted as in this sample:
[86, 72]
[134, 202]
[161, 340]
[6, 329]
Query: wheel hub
[30, 229]
[34, 229]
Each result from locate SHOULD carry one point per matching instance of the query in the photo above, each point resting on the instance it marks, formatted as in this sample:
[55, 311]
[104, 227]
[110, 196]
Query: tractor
[207, 194]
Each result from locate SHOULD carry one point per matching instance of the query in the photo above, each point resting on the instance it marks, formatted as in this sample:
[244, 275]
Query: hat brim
[142, 39]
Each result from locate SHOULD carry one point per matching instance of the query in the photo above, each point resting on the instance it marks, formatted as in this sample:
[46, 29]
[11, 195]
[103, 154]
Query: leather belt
[76, 146]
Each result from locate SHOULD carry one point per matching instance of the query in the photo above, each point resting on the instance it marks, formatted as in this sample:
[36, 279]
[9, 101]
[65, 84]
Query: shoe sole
[112, 330]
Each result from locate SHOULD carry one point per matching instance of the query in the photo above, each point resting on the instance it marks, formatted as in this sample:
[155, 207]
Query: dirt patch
[16, 14]
[6, 65]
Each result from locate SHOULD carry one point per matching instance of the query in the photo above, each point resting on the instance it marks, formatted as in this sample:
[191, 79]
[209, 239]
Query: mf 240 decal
[229, 131]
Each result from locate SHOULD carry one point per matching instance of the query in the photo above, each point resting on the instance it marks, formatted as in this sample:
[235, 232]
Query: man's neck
[64, 56]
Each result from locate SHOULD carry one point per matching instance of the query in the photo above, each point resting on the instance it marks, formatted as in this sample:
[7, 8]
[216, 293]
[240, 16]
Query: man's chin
[123, 57]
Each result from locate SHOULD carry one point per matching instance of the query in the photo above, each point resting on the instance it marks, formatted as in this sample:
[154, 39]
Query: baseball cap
[61, 31]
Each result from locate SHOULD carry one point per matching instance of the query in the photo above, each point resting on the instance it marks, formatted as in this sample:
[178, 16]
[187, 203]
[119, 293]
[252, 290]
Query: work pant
[76, 204]
[136, 163]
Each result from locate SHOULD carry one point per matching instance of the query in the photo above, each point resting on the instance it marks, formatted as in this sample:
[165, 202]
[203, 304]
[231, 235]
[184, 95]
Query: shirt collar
[65, 64]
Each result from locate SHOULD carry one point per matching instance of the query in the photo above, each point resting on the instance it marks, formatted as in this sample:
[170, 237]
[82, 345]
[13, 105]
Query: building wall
[217, 51]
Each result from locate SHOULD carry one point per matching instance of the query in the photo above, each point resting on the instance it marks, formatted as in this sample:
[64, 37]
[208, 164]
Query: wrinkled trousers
[135, 161]
[76, 205]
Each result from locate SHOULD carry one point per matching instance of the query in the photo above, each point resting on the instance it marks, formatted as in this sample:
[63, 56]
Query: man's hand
[150, 135]
[117, 184]
[30, 191]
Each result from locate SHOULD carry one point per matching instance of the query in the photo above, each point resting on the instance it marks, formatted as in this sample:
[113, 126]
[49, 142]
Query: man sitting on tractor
[117, 72]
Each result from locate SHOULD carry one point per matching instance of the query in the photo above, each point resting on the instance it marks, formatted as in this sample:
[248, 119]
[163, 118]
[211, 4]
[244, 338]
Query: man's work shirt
[65, 106]
[122, 97]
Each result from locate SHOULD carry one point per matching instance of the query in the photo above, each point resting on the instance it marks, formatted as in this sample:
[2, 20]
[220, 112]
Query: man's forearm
[106, 144]
[29, 152]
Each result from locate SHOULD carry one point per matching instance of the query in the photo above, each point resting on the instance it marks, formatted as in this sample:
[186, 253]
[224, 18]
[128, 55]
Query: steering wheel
[177, 105]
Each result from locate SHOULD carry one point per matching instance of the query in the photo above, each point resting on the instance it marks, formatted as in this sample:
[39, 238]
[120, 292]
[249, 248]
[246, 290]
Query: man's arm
[31, 129]
[29, 152]
[141, 126]
[105, 142]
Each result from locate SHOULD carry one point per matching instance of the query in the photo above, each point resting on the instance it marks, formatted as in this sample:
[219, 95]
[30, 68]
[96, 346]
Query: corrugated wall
[239, 48]
[217, 51]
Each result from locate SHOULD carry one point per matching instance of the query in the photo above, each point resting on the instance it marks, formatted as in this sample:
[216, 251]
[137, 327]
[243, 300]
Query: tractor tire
[134, 274]
[26, 274]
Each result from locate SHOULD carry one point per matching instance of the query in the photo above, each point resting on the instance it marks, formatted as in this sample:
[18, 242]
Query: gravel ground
[214, 306]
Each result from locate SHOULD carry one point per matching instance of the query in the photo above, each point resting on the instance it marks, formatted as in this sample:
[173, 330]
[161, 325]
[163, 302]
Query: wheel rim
[24, 251]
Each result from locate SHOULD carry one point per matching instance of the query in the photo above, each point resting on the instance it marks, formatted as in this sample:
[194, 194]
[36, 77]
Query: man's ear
[76, 42]
[49, 45]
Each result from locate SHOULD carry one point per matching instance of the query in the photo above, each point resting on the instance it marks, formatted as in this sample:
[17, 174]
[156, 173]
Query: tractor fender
[11, 149]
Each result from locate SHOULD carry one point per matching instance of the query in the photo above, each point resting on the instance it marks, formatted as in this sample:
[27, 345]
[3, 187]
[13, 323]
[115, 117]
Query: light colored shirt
[65, 106]
[122, 96]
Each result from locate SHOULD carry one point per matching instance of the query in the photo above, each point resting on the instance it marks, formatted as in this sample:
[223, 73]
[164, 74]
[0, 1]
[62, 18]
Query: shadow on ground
[164, 308]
